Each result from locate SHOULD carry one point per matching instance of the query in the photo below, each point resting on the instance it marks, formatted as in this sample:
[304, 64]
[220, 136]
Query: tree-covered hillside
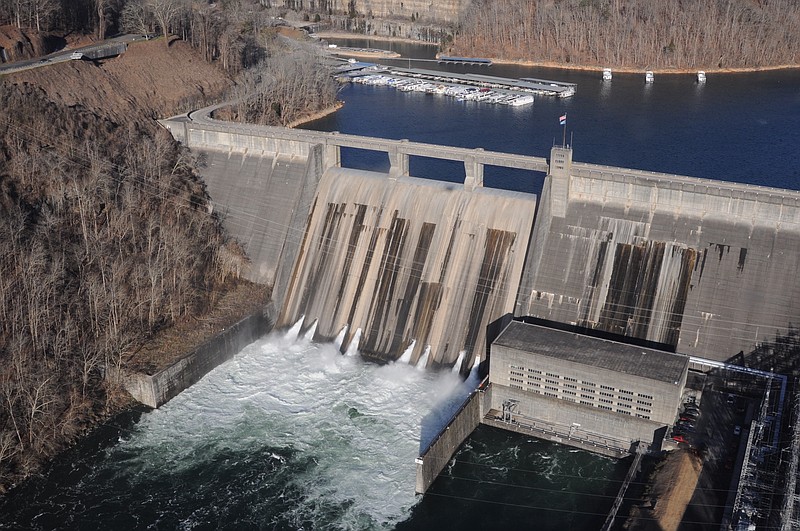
[635, 33]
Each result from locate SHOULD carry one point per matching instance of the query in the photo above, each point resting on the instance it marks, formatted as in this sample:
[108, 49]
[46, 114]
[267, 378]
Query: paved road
[64, 55]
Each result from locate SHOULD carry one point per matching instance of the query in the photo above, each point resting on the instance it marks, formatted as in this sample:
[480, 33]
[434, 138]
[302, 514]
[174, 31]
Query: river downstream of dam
[291, 434]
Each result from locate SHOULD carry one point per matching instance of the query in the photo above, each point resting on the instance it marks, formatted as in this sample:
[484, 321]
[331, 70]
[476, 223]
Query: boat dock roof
[538, 86]
[464, 60]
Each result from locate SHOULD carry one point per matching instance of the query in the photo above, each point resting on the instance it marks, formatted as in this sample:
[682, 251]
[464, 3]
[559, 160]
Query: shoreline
[316, 116]
[361, 36]
[365, 53]
[587, 68]
[639, 70]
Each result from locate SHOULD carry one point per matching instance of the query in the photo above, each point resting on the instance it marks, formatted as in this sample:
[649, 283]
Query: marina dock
[463, 87]
[446, 59]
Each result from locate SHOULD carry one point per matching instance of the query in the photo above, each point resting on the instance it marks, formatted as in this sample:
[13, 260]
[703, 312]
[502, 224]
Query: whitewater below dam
[292, 434]
[289, 434]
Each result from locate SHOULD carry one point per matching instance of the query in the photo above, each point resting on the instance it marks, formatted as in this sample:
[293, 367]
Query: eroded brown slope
[148, 80]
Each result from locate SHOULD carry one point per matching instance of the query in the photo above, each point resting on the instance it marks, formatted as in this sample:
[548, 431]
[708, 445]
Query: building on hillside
[595, 390]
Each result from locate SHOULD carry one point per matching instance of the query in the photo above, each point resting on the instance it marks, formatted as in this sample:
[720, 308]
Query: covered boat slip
[541, 87]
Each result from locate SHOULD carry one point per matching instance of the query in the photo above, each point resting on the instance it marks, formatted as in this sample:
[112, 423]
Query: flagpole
[564, 139]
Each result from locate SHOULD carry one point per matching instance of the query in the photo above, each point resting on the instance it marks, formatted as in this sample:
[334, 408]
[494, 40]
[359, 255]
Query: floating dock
[463, 86]
[446, 59]
[539, 87]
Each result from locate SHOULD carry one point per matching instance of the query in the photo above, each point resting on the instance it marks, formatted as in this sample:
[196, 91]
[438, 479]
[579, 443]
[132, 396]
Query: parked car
[679, 438]
[76, 55]
[731, 398]
[737, 431]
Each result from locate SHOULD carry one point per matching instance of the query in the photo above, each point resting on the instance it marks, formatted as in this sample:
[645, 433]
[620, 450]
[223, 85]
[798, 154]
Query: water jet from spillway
[352, 349]
[423, 360]
[294, 332]
[339, 341]
[406, 357]
[459, 361]
[309, 335]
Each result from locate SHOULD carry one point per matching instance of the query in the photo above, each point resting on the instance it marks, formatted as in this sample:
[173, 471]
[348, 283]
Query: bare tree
[43, 12]
[165, 12]
[136, 17]
[101, 8]
[636, 33]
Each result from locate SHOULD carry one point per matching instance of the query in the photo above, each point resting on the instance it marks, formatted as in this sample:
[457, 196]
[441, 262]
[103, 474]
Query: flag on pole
[563, 119]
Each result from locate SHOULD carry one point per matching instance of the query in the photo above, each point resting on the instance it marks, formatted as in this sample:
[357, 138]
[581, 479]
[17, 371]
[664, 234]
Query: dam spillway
[409, 260]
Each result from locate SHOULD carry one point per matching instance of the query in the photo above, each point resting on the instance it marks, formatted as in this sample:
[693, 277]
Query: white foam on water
[358, 422]
[406, 357]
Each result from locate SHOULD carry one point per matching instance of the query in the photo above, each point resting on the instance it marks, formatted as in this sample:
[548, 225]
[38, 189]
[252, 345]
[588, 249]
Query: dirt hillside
[148, 81]
[16, 44]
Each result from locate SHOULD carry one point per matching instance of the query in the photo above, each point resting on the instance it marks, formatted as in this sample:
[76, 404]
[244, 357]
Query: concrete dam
[708, 267]
[705, 266]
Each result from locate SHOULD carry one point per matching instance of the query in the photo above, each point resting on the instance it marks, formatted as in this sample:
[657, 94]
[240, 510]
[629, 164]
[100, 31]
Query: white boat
[522, 100]
[648, 77]
[701, 76]
[606, 74]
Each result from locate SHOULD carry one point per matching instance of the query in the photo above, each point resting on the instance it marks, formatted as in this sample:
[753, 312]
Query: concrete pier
[435, 457]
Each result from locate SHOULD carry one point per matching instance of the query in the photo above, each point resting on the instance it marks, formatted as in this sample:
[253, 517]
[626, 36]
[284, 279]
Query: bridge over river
[708, 267]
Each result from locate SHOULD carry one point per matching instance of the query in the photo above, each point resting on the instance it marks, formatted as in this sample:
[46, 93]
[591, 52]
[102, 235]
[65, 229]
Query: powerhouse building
[591, 387]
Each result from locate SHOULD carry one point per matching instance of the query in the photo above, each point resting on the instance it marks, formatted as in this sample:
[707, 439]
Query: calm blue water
[736, 127]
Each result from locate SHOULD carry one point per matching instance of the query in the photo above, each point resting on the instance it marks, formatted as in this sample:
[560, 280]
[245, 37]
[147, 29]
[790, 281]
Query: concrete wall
[264, 201]
[634, 395]
[157, 389]
[433, 459]
[551, 415]
[408, 259]
[707, 266]
[262, 185]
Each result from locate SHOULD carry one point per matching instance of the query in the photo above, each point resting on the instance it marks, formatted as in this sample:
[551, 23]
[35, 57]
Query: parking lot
[715, 427]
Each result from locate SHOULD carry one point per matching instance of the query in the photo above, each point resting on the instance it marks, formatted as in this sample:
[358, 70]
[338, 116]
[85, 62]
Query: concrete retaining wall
[598, 428]
[157, 389]
[441, 450]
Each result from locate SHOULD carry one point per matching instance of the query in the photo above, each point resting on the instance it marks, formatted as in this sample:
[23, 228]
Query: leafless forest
[635, 33]
[105, 231]
[104, 238]
[286, 86]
